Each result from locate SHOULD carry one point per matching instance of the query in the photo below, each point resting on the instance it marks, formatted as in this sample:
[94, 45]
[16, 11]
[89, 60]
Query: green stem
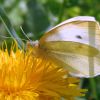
[61, 13]
[94, 89]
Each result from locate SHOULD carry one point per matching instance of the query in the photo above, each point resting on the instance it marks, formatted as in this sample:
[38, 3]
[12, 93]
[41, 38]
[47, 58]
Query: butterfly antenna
[30, 41]
[25, 34]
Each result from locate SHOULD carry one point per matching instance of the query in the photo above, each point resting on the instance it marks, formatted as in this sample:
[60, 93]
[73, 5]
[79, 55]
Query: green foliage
[37, 16]
[9, 27]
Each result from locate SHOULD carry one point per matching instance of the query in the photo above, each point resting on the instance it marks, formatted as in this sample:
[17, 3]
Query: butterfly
[74, 45]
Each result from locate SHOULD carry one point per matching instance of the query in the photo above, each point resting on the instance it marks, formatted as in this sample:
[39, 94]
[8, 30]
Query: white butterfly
[75, 45]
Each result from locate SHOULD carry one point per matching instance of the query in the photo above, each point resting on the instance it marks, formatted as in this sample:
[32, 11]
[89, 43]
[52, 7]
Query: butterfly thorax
[36, 50]
[33, 43]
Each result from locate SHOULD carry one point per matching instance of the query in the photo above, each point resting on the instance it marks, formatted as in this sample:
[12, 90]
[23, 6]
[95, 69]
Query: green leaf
[38, 20]
[10, 28]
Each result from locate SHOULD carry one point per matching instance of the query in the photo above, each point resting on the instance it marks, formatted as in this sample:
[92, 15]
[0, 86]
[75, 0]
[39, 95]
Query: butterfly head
[32, 43]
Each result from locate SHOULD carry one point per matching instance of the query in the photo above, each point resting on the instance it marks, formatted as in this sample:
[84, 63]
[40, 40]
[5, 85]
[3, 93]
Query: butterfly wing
[78, 65]
[75, 43]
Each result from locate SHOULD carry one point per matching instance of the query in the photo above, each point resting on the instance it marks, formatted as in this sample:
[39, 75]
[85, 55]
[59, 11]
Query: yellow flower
[24, 77]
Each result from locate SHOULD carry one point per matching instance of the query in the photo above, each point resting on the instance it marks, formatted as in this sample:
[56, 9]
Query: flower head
[25, 77]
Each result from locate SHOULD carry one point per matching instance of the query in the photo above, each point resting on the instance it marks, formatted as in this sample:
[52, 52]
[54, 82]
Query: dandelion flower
[24, 77]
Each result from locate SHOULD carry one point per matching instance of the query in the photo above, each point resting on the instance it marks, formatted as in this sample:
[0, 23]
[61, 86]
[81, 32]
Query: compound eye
[79, 37]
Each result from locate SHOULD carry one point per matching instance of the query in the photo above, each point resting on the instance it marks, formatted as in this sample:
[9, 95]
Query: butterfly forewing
[76, 44]
[70, 47]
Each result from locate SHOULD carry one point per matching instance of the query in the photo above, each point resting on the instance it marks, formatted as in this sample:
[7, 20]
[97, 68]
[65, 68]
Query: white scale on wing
[71, 33]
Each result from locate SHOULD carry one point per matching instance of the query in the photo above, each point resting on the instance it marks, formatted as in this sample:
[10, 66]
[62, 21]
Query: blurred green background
[37, 16]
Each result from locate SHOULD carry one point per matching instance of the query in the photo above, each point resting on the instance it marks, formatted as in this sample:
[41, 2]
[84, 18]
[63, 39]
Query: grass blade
[10, 28]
